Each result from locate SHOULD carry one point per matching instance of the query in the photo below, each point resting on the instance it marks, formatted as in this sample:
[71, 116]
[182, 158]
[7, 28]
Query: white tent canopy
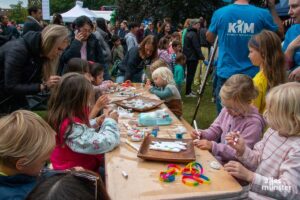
[77, 11]
[103, 14]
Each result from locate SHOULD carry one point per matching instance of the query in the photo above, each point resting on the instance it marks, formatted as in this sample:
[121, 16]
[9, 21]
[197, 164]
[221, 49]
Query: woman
[84, 45]
[132, 66]
[28, 66]
[164, 31]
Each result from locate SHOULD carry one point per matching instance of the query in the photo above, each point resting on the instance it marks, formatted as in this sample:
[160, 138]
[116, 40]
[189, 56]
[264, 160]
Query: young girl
[179, 70]
[237, 115]
[26, 142]
[163, 54]
[265, 51]
[276, 157]
[80, 66]
[166, 89]
[78, 143]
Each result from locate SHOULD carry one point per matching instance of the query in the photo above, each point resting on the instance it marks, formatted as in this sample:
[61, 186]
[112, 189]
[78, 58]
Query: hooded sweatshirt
[250, 126]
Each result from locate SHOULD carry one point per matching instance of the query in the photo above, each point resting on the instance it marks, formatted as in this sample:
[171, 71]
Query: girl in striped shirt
[276, 158]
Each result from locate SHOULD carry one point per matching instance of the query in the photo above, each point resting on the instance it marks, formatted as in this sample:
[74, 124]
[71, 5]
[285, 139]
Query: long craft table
[143, 176]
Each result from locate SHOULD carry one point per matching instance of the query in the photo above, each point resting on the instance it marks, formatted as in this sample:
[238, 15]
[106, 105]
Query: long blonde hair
[24, 134]
[283, 109]
[51, 36]
[268, 44]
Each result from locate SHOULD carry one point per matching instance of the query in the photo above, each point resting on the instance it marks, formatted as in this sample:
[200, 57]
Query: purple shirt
[250, 127]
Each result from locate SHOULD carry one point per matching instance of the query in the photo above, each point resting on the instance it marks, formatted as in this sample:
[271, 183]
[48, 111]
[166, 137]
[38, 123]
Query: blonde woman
[165, 88]
[26, 142]
[28, 66]
[276, 157]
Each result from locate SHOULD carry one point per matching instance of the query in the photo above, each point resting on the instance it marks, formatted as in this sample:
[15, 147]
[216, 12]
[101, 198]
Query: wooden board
[145, 99]
[176, 157]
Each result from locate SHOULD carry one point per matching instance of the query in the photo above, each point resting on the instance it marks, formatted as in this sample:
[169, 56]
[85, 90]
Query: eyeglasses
[83, 176]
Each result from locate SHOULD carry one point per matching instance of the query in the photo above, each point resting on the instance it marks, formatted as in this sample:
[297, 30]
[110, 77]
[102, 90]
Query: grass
[207, 110]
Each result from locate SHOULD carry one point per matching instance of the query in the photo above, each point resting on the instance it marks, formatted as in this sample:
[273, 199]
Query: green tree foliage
[37, 3]
[178, 10]
[18, 13]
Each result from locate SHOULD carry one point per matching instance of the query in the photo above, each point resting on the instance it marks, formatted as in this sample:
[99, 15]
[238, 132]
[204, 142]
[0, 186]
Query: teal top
[178, 74]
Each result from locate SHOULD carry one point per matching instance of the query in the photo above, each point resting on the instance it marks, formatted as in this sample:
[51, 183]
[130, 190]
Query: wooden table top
[143, 176]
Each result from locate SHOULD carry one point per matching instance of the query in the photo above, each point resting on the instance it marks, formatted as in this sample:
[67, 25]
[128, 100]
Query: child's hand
[148, 84]
[236, 141]
[114, 115]
[196, 135]
[102, 101]
[237, 170]
[203, 144]
[100, 120]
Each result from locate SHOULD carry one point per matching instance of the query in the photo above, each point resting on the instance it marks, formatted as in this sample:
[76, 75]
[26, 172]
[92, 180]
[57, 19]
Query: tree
[37, 3]
[18, 13]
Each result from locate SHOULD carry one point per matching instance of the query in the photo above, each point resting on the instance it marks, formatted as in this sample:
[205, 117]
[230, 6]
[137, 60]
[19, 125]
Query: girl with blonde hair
[276, 157]
[26, 142]
[165, 88]
[28, 66]
[237, 115]
[265, 52]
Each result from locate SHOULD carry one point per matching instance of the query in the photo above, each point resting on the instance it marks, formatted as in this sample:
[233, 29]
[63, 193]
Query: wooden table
[143, 182]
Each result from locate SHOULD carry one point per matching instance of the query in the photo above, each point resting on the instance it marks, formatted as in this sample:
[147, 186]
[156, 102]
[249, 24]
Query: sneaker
[191, 95]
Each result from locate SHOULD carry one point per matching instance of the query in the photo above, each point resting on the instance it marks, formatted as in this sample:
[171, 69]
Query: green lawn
[207, 111]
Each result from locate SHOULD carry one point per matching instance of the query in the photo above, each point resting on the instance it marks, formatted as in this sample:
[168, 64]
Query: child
[77, 141]
[26, 142]
[80, 66]
[265, 51]
[117, 50]
[176, 47]
[163, 54]
[72, 185]
[276, 157]
[166, 90]
[179, 70]
[156, 64]
[237, 115]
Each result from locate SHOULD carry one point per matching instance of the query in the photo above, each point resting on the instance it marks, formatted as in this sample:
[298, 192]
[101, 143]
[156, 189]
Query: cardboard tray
[146, 99]
[179, 157]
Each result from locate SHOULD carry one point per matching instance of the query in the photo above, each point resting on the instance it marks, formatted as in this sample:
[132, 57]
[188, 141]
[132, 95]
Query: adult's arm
[73, 51]
[196, 46]
[133, 61]
[276, 19]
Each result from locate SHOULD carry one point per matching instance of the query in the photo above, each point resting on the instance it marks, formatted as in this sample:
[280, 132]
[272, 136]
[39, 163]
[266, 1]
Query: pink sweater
[277, 163]
[250, 126]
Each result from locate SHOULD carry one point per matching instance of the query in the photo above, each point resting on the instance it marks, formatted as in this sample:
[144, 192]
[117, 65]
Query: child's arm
[251, 136]
[87, 141]
[287, 185]
[162, 94]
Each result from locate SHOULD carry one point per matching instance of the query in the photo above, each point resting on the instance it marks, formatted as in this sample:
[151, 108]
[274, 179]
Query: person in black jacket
[85, 46]
[132, 66]
[33, 22]
[192, 51]
[28, 65]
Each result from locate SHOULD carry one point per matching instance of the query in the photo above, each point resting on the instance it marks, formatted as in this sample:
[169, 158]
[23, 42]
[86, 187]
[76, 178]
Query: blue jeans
[219, 83]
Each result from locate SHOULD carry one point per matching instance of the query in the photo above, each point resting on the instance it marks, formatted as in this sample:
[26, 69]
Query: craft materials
[124, 174]
[131, 145]
[192, 174]
[180, 130]
[215, 165]
[196, 128]
[176, 146]
[155, 118]
[236, 139]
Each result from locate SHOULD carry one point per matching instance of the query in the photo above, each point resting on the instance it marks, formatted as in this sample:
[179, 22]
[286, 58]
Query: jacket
[16, 187]
[20, 71]
[84, 146]
[94, 51]
[191, 47]
[32, 25]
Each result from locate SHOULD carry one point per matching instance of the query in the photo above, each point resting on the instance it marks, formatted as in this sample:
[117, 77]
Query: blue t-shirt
[234, 25]
[290, 35]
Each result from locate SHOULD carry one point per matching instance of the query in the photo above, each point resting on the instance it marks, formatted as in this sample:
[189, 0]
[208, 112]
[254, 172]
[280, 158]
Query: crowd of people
[69, 67]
